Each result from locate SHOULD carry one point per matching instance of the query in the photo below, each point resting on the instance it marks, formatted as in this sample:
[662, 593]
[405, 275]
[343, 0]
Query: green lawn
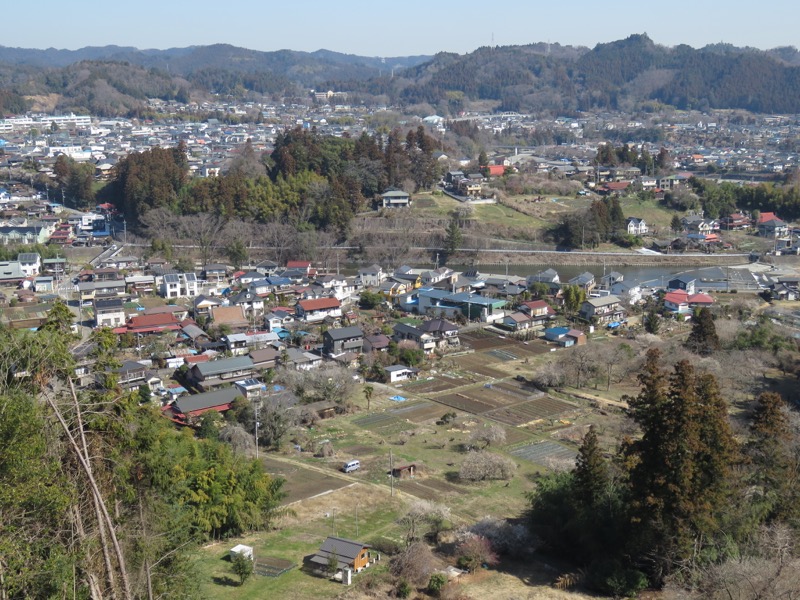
[651, 211]
[497, 214]
[300, 538]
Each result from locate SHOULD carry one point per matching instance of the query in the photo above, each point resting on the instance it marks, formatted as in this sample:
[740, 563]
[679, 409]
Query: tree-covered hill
[618, 75]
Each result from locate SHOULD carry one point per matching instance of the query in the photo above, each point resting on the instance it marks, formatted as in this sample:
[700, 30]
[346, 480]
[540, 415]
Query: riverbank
[608, 259]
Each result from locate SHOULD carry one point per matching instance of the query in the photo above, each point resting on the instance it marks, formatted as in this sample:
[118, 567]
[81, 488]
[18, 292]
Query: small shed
[241, 549]
[349, 553]
[405, 471]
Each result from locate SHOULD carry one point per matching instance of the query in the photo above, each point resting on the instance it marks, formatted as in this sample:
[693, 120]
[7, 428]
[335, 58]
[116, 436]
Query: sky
[398, 28]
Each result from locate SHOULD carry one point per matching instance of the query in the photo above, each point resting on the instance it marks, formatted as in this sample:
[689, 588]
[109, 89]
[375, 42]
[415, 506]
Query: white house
[636, 226]
[395, 199]
[178, 285]
[30, 263]
[318, 309]
[397, 373]
[372, 276]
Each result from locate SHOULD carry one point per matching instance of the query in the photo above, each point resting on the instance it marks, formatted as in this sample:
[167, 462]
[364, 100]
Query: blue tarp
[398, 398]
[614, 324]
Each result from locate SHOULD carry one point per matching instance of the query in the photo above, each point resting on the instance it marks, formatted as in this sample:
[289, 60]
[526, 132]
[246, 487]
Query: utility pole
[257, 406]
[356, 519]
[391, 471]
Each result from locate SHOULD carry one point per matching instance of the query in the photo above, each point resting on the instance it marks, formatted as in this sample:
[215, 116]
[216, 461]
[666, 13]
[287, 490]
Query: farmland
[483, 387]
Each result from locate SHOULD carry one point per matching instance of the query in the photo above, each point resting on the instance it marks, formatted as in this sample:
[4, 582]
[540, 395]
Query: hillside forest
[630, 74]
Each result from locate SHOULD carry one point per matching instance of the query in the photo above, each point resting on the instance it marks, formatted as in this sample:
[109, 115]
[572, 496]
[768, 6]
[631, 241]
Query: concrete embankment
[610, 259]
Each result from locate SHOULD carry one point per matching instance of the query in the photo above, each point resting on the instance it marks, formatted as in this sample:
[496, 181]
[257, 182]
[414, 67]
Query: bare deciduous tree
[480, 466]
[414, 564]
[493, 434]
[424, 517]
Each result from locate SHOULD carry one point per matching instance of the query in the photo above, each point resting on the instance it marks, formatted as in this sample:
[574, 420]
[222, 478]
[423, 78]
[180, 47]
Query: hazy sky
[398, 28]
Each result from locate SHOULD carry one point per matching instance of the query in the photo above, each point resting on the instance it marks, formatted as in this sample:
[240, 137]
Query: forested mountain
[618, 75]
[306, 68]
[614, 76]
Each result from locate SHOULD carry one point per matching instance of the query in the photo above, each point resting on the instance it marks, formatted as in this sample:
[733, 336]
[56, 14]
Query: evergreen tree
[678, 468]
[676, 225]
[768, 451]
[652, 322]
[616, 215]
[591, 471]
[453, 238]
[703, 339]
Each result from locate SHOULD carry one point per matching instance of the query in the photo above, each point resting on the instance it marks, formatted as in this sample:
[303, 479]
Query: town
[317, 347]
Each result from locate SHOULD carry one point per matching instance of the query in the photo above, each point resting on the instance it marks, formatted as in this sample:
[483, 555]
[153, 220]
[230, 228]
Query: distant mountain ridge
[184, 61]
[627, 74]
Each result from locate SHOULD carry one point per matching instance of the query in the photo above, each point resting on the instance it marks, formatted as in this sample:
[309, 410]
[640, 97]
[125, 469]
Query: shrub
[475, 551]
[610, 577]
[447, 418]
[386, 545]
[403, 589]
[437, 583]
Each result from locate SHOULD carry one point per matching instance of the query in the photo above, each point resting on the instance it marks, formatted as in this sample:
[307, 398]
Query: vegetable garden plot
[544, 451]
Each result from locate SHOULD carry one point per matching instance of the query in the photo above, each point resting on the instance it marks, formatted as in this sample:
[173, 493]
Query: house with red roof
[539, 311]
[318, 309]
[157, 323]
[681, 302]
[299, 264]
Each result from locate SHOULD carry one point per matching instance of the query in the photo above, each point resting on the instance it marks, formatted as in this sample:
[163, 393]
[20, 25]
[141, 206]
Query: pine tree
[676, 224]
[703, 339]
[591, 471]
[678, 469]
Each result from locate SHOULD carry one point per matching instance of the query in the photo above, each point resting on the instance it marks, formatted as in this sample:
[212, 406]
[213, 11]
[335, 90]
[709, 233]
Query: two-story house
[538, 311]
[424, 341]
[178, 285]
[216, 372]
[444, 333]
[395, 199]
[606, 309]
[636, 226]
[313, 311]
[336, 342]
[109, 313]
[585, 281]
[687, 283]
[372, 276]
[30, 263]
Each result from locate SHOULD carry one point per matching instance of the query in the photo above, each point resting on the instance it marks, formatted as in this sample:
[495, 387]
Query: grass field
[300, 536]
[498, 214]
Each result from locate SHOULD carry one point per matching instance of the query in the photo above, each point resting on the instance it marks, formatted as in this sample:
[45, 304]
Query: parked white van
[350, 466]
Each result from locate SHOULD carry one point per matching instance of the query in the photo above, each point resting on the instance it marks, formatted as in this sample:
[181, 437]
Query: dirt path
[593, 398]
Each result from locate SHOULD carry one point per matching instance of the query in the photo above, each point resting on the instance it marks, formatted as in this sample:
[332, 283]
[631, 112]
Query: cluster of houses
[39, 222]
[237, 325]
